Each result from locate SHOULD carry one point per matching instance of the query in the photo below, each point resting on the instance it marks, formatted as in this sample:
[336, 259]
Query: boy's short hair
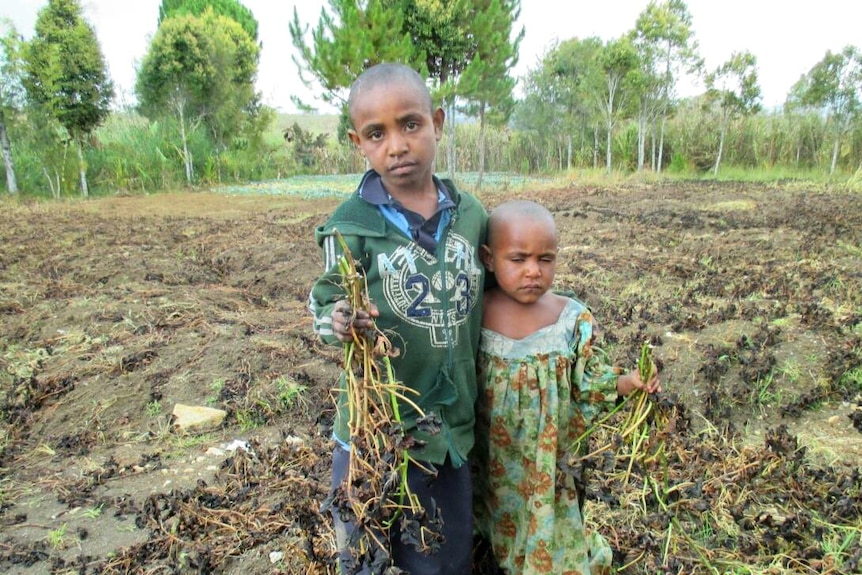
[387, 73]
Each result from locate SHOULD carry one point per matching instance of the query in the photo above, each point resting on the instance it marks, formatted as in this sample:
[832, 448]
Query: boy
[416, 239]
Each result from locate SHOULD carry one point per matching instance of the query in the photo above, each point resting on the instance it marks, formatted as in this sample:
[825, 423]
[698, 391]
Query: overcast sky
[787, 36]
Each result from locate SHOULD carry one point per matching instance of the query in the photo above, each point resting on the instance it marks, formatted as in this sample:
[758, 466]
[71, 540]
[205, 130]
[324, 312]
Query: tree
[202, 70]
[444, 33]
[559, 98]
[617, 59]
[664, 38]
[349, 38]
[436, 38]
[834, 86]
[486, 81]
[233, 9]
[733, 89]
[66, 73]
[11, 97]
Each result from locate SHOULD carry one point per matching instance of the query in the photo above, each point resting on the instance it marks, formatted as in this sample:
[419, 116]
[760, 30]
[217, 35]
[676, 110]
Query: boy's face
[394, 128]
[523, 258]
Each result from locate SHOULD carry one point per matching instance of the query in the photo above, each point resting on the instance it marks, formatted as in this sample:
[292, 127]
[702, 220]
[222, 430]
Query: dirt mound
[115, 310]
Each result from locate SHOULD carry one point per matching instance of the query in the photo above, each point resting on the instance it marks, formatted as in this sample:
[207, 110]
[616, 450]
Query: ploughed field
[113, 311]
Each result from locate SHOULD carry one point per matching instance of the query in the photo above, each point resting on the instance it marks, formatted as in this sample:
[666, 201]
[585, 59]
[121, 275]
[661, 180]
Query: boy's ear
[354, 137]
[487, 257]
[439, 118]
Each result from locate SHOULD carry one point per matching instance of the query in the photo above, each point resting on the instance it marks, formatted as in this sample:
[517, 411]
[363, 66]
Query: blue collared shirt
[424, 232]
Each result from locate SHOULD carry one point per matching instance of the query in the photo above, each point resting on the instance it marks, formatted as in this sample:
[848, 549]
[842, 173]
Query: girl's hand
[631, 381]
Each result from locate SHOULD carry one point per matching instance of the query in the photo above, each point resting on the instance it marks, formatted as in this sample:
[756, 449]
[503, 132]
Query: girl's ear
[487, 257]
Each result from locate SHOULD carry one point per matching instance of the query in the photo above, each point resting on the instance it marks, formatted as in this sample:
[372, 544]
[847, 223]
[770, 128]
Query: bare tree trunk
[450, 141]
[641, 141]
[608, 147]
[835, 147]
[595, 147]
[55, 189]
[82, 168]
[720, 150]
[481, 146]
[660, 145]
[11, 180]
[187, 157]
[653, 151]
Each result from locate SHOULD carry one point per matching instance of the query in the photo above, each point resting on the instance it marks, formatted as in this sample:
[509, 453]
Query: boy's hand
[345, 321]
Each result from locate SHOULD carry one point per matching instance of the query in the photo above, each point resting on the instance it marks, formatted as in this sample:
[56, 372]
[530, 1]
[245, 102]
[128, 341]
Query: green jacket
[436, 329]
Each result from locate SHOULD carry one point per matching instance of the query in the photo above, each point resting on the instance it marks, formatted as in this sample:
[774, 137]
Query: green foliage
[66, 74]
[11, 97]
[732, 91]
[200, 70]
[486, 82]
[559, 108]
[206, 66]
[664, 38]
[833, 86]
[349, 38]
[443, 32]
[65, 68]
[307, 147]
[678, 165]
[733, 85]
[233, 9]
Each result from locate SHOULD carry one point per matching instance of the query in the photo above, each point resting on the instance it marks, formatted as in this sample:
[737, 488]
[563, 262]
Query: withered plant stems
[376, 485]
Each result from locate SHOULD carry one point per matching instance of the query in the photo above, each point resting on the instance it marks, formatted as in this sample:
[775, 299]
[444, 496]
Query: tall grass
[131, 154]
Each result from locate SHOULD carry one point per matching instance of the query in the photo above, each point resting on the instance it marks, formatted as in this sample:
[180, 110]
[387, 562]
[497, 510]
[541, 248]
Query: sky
[788, 37]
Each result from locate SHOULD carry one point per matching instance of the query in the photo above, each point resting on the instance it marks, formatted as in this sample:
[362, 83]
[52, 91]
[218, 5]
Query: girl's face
[523, 258]
[397, 131]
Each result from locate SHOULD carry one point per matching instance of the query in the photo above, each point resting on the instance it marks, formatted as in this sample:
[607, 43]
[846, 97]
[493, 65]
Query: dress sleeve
[594, 379]
[328, 288]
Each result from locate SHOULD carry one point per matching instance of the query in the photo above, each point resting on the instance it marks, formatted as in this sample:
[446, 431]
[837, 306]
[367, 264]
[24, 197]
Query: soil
[115, 310]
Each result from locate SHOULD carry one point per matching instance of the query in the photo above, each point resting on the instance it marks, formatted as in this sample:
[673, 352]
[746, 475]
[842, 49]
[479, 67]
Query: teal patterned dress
[537, 396]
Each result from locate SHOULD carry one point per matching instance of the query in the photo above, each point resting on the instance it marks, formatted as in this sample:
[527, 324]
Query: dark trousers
[452, 492]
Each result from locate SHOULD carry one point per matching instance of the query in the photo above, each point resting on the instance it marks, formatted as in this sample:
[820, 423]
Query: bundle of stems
[375, 492]
[636, 428]
[632, 434]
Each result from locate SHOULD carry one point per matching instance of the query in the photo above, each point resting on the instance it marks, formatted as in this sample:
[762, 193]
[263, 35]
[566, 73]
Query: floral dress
[538, 395]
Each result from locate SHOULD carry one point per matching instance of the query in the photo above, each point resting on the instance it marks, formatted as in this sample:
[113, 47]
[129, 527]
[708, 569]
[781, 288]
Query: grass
[216, 388]
[764, 392]
[791, 370]
[57, 537]
[92, 512]
[154, 409]
[289, 391]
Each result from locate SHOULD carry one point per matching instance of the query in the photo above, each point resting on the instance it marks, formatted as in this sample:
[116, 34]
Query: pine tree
[486, 82]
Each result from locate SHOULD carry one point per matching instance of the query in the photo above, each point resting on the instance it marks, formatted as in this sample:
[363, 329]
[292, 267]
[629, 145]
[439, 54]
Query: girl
[541, 383]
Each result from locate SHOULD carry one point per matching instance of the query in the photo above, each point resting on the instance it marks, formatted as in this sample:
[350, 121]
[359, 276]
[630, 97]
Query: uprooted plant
[375, 496]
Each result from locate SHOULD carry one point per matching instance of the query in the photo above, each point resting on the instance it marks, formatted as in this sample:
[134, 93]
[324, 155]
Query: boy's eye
[375, 135]
[412, 125]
